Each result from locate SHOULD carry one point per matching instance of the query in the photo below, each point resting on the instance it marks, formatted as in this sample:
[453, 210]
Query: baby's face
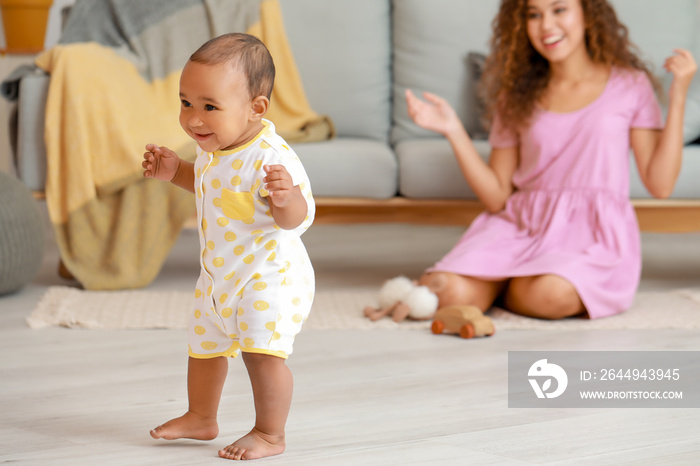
[215, 106]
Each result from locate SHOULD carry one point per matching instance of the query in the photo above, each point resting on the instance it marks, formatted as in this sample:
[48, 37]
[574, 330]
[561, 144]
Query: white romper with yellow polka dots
[256, 283]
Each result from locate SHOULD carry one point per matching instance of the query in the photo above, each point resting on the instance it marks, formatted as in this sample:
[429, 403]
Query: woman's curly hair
[515, 75]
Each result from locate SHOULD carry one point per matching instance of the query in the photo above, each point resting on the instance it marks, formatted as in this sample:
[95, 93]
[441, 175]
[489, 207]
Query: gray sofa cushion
[687, 186]
[691, 122]
[428, 59]
[475, 120]
[346, 61]
[350, 167]
[423, 161]
[428, 169]
[676, 24]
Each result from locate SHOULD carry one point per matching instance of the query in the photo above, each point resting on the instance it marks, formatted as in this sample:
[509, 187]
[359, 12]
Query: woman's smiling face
[556, 28]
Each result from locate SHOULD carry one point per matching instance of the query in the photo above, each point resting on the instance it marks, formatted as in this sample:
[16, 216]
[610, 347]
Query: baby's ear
[258, 107]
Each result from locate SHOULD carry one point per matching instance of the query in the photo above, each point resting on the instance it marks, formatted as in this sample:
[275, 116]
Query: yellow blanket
[114, 228]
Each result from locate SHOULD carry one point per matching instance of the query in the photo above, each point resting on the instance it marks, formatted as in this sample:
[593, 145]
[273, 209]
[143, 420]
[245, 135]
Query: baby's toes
[232, 453]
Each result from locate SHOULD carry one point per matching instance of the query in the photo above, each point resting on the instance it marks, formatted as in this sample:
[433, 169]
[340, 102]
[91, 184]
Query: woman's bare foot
[189, 425]
[376, 313]
[254, 445]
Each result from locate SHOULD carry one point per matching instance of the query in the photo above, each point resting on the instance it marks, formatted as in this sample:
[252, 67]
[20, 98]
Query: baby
[254, 201]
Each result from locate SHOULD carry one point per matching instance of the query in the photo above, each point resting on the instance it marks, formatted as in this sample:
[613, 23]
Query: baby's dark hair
[244, 51]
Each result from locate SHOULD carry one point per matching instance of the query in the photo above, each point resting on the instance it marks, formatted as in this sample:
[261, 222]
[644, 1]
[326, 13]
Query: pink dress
[570, 213]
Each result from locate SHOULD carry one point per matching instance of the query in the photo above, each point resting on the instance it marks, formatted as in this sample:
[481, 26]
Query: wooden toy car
[467, 321]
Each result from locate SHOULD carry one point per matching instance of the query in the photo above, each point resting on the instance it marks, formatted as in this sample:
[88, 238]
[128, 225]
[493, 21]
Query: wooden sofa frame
[654, 215]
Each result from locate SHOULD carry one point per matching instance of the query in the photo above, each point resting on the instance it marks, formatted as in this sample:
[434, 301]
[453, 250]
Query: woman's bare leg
[543, 296]
[452, 289]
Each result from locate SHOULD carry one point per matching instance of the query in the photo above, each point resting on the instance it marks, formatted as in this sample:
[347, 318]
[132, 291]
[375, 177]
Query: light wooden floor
[72, 397]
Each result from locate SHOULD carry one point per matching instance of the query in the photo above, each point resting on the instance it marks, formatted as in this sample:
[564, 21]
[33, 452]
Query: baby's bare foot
[254, 445]
[189, 425]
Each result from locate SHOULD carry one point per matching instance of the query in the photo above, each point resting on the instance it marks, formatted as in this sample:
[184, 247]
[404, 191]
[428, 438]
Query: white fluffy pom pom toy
[401, 298]
[395, 290]
[423, 303]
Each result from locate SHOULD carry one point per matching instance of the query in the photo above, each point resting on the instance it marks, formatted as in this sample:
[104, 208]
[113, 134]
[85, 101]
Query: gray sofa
[356, 58]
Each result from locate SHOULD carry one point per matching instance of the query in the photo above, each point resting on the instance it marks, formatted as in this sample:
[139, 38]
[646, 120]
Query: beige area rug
[74, 308]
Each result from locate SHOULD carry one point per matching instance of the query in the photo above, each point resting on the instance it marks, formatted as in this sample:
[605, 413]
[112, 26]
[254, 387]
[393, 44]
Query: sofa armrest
[30, 155]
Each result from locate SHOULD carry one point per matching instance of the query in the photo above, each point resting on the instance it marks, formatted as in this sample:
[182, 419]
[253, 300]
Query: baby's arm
[490, 182]
[287, 204]
[161, 163]
[659, 155]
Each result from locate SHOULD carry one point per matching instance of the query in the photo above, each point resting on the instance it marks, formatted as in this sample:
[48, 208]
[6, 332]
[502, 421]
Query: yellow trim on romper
[231, 352]
[224, 153]
[279, 354]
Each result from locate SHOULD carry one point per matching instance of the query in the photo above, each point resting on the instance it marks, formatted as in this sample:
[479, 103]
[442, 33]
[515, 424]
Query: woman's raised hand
[682, 65]
[433, 113]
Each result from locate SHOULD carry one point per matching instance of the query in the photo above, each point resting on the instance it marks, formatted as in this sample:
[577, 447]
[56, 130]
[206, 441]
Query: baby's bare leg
[452, 289]
[205, 381]
[544, 297]
[272, 392]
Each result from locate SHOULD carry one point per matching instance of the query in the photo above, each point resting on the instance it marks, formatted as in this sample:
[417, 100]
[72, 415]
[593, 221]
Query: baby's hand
[278, 182]
[160, 163]
[682, 65]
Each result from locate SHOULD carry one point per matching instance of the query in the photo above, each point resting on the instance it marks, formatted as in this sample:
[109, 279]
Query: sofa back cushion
[659, 27]
[432, 40]
[343, 52]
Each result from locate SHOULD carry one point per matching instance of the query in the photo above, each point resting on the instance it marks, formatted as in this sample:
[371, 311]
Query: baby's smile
[202, 136]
